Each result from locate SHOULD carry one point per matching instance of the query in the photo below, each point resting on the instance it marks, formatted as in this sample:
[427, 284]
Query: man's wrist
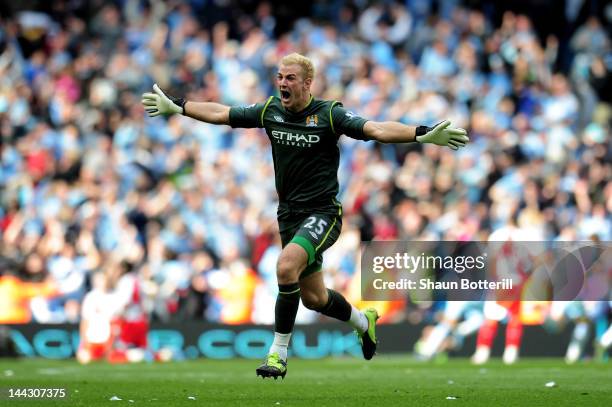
[180, 102]
[421, 131]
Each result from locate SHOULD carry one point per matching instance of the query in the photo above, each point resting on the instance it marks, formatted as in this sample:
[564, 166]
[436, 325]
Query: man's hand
[159, 103]
[443, 135]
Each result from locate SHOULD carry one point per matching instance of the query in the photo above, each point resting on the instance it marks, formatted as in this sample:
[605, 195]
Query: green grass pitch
[385, 381]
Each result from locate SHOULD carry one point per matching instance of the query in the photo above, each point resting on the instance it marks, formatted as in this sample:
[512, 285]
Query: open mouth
[285, 95]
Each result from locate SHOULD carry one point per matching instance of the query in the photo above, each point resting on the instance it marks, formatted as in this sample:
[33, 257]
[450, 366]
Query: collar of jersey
[301, 112]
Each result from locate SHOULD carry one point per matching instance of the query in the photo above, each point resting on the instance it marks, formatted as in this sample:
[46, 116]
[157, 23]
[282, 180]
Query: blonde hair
[308, 69]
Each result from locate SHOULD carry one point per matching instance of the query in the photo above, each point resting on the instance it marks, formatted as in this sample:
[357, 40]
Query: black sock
[287, 303]
[337, 306]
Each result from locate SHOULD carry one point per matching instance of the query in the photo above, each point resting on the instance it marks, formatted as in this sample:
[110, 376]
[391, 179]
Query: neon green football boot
[368, 338]
[273, 366]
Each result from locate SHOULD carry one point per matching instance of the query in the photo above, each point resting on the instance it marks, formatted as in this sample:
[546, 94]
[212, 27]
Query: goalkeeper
[304, 134]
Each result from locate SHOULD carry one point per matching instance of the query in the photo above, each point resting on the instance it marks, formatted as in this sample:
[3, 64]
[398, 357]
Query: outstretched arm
[394, 132]
[389, 132]
[346, 122]
[160, 103]
[209, 112]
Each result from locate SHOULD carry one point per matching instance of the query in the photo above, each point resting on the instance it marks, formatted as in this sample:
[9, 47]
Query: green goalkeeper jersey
[304, 145]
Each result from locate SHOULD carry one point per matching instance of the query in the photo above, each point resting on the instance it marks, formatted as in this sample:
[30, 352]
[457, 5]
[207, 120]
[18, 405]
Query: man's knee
[291, 262]
[287, 270]
[314, 300]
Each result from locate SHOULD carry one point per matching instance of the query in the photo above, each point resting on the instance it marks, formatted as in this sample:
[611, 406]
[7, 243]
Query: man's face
[294, 90]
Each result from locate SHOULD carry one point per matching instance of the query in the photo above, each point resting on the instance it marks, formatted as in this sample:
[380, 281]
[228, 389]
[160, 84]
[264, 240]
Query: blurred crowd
[90, 185]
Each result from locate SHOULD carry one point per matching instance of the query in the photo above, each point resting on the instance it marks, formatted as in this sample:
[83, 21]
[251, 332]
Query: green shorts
[315, 230]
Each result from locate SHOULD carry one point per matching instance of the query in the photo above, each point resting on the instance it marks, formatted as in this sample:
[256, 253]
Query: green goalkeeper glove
[442, 135]
[159, 103]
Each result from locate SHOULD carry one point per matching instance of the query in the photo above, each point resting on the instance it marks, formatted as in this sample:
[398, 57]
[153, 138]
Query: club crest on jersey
[278, 119]
[312, 120]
